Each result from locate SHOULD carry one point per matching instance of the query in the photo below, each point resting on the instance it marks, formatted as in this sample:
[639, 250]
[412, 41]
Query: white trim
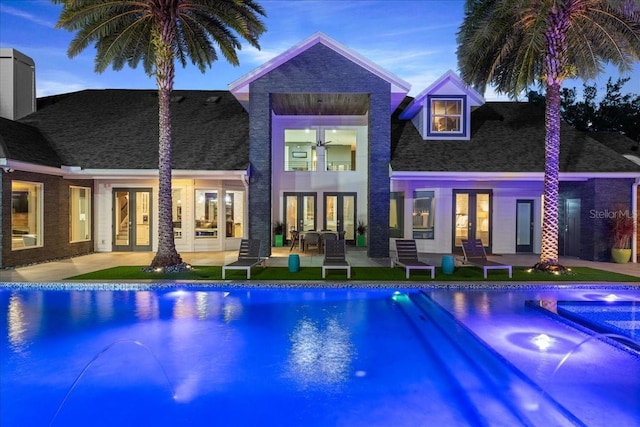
[77, 172]
[474, 98]
[240, 87]
[635, 159]
[505, 176]
[151, 173]
[14, 165]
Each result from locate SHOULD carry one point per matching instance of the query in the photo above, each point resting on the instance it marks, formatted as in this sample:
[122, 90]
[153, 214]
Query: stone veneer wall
[3, 194]
[321, 70]
[55, 235]
[597, 196]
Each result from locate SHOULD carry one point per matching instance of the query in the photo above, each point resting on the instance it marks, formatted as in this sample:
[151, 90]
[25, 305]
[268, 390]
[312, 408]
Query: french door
[300, 212]
[524, 226]
[472, 217]
[340, 214]
[571, 235]
[132, 219]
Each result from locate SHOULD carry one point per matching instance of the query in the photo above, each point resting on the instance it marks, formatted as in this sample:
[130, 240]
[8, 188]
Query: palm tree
[157, 32]
[513, 44]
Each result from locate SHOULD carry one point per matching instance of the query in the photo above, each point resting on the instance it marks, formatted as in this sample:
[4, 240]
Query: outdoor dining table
[301, 238]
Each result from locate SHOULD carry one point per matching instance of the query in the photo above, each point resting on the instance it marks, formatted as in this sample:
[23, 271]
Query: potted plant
[362, 230]
[278, 231]
[622, 228]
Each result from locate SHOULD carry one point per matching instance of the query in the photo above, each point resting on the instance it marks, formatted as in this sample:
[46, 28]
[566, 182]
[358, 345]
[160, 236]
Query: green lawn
[373, 274]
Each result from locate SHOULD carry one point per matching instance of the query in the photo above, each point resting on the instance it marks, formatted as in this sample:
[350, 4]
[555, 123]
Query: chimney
[17, 84]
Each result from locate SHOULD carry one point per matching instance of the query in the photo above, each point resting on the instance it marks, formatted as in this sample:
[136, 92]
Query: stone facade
[55, 220]
[321, 70]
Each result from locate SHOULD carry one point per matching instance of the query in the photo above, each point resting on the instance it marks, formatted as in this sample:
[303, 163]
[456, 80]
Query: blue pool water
[306, 357]
[608, 317]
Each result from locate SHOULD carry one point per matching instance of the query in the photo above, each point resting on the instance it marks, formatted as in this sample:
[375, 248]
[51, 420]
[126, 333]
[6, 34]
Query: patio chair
[311, 238]
[327, 235]
[295, 239]
[474, 254]
[407, 258]
[248, 256]
[335, 257]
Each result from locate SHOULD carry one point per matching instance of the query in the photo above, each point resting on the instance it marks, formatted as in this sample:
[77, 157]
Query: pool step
[496, 392]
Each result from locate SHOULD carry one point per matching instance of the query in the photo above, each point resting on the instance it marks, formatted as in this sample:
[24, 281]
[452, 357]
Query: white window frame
[202, 232]
[32, 238]
[79, 214]
[424, 216]
[433, 116]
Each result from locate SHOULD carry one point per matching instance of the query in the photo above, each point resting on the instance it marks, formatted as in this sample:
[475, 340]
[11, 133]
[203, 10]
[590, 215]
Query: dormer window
[446, 116]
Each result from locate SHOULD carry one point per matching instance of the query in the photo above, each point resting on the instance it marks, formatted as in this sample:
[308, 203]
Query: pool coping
[192, 284]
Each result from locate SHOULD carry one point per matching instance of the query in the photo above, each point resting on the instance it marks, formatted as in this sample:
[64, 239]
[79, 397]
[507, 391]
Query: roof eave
[9, 165]
[504, 176]
[77, 172]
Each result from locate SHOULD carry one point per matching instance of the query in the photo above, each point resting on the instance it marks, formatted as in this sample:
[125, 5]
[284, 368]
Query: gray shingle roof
[505, 137]
[24, 143]
[617, 141]
[118, 129]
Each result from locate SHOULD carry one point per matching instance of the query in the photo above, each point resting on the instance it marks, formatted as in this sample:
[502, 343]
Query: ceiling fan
[320, 142]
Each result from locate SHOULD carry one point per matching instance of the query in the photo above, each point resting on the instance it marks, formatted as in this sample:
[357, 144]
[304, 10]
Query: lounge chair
[248, 256]
[474, 254]
[407, 257]
[335, 257]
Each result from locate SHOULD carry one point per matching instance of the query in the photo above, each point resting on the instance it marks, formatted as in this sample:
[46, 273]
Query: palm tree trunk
[549, 250]
[165, 72]
[554, 72]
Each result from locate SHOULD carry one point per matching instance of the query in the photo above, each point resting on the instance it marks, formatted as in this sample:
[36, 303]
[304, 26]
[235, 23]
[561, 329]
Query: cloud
[51, 87]
[417, 30]
[37, 52]
[389, 58]
[53, 82]
[255, 56]
[26, 15]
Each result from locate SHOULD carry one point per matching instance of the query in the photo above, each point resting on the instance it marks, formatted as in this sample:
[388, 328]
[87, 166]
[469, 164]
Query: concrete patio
[59, 270]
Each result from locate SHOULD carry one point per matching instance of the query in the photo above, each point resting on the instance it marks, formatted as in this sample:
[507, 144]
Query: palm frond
[503, 42]
[120, 30]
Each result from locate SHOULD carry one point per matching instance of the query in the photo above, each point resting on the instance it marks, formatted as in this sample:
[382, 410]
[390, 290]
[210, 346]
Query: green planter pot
[620, 256]
[361, 240]
[279, 240]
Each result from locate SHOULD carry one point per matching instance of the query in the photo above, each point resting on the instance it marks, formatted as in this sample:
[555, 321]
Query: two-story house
[319, 138]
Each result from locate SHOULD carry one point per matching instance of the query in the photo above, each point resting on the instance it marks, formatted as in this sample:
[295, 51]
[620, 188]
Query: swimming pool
[314, 357]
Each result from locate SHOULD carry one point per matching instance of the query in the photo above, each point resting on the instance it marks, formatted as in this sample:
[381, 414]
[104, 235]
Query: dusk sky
[413, 39]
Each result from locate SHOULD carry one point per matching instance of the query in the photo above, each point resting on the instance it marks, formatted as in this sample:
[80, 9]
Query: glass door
[472, 217]
[571, 237]
[340, 214]
[524, 226]
[132, 219]
[300, 212]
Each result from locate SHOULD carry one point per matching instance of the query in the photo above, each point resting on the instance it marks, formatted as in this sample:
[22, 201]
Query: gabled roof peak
[450, 77]
[399, 87]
